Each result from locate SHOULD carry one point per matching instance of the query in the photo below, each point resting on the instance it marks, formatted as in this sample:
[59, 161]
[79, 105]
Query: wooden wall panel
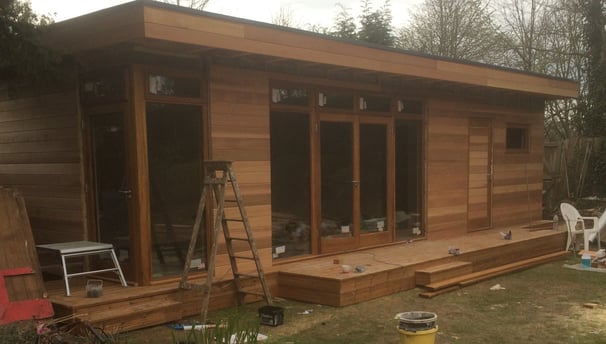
[40, 156]
[446, 151]
[239, 122]
[517, 177]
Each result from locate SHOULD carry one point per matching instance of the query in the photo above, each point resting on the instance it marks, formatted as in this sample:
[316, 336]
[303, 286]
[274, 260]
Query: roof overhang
[148, 23]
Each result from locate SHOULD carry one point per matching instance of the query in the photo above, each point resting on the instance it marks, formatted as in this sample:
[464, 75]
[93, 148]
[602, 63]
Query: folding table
[81, 249]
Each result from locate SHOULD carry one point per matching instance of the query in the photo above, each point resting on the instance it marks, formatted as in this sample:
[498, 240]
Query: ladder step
[234, 220]
[246, 275]
[214, 181]
[236, 238]
[243, 257]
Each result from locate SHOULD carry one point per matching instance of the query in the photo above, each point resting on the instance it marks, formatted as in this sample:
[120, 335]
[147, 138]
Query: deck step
[437, 273]
[479, 276]
[134, 317]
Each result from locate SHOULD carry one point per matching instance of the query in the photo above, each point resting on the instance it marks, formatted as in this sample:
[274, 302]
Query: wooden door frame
[137, 147]
[140, 96]
[129, 269]
[340, 244]
[358, 240]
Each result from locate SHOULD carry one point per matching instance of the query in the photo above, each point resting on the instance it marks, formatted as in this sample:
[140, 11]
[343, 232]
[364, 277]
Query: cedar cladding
[40, 157]
[239, 122]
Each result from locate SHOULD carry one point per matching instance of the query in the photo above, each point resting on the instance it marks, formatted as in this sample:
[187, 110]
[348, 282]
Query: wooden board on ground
[441, 272]
[22, 291]
[479, 276]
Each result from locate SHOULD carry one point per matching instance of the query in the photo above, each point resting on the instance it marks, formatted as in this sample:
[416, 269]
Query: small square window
[516, 138]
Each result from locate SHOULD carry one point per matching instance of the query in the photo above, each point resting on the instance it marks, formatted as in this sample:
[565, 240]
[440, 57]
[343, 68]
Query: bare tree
[564, 57]
[461, 29]
[546, 36]
[195, 4]
[523, 28]
[284, 17]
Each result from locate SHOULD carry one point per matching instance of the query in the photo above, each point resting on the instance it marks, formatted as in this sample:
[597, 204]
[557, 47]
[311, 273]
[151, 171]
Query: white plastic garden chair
[577, 224]
[601, 226]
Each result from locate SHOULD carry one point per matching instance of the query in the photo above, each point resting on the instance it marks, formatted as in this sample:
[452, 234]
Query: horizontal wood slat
[441, 272]
[475, 277]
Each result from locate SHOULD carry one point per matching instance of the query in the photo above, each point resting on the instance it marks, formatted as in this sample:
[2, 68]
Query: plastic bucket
[586, 261]
[417, 327]
[419, 337]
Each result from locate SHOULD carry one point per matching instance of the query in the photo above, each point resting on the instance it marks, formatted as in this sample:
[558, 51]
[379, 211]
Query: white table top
[76, 246]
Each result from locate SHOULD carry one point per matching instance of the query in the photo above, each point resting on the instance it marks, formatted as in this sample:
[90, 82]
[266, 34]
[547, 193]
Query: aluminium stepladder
[217, 174]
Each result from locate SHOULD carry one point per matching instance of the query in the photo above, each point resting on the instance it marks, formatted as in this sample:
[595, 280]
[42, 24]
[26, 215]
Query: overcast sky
[306, 12]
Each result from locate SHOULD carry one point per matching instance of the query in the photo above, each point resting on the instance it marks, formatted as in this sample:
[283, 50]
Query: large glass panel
[373, 177]
[174, 139]
[111, 191]
[336, 145]
[290, 184]
[408, 180]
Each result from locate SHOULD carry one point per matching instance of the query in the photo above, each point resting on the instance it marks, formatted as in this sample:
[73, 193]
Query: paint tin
[94, 288]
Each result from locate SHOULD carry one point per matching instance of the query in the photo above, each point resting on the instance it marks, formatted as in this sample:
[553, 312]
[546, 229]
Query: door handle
[126, 193]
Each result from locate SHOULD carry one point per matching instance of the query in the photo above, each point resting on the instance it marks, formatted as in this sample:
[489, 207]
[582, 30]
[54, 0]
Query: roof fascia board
[134, 21]
[199, 29]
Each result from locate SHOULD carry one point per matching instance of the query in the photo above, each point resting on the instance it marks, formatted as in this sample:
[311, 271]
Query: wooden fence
[565, 168]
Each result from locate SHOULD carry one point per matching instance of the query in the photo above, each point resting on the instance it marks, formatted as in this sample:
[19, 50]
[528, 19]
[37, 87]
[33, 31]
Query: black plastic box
[271, 316]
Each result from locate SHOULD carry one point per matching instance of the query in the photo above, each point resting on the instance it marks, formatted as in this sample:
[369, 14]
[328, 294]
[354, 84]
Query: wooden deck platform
[387, 270]
[394, 268]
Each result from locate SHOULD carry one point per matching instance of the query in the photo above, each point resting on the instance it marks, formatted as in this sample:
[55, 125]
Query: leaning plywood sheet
[22, 292]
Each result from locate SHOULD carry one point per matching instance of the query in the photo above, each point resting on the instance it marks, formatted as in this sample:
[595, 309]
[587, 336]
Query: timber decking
[387, 270]
[392, 269]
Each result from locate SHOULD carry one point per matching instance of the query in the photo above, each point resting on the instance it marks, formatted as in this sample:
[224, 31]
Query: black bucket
[416, 321]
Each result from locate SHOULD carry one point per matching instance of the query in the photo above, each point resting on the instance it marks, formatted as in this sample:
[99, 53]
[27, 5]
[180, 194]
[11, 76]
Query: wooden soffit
[144, 20]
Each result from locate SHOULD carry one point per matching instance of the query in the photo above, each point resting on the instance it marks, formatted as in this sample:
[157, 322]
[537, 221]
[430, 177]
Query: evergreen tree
[345, 25]
[375, 25]
[22, 57]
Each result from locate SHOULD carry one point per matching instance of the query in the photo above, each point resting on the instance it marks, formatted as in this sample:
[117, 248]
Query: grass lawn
[539, 305]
